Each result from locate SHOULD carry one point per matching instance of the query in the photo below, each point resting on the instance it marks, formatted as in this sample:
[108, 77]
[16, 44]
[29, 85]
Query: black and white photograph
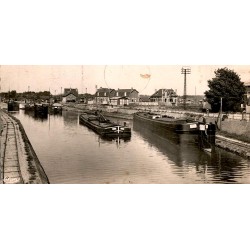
[124, 124]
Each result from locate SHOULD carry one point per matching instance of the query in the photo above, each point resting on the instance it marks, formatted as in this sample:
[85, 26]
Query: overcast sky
[85, 78]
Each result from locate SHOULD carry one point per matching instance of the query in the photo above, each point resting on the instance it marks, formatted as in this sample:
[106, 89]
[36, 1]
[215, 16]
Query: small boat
[104, 127]
[29, 106]
[56, 108]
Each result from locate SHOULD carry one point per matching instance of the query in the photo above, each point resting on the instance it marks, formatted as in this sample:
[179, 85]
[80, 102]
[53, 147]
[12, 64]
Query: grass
[243, 138]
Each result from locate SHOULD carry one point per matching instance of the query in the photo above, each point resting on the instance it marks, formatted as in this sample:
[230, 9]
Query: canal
[72, 153]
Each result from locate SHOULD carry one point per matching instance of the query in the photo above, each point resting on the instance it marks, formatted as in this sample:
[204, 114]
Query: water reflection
[119, 142]
[70, 118]
[182, 151]
[219, 166]
[38, 117]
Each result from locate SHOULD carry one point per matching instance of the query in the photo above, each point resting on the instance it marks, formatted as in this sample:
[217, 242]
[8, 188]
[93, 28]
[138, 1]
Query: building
[70, 95]
[125, 97]
[103, 95]
[167, 97]
[116, 97]
[119, 101]
[85, 98]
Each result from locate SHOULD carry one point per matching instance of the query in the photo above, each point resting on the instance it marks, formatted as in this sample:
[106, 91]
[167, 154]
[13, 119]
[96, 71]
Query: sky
[87, 77]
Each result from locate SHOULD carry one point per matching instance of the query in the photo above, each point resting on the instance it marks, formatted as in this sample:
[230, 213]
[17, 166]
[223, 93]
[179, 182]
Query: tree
[228, 85]
[12, 94]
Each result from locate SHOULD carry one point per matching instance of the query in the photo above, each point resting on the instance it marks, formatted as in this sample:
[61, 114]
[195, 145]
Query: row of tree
[25, 95]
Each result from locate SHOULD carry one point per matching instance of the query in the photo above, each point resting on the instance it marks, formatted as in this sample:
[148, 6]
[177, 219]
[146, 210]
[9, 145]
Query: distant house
[165, 96]
[119, 101]
[116, 97]
[85, 98]
[103, 95]
[70, 95]
[125, 97]
[247, 98]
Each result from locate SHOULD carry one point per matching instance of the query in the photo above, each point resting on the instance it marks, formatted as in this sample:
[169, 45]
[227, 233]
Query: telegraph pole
[185, 71]
[220, 112]
[0, 85]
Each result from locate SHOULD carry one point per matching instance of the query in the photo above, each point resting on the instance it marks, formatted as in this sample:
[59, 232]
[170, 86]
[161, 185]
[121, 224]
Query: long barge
[104, 127]
[178, 128]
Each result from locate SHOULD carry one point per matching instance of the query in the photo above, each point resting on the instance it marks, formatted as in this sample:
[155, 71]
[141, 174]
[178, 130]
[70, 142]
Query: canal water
[72, 153]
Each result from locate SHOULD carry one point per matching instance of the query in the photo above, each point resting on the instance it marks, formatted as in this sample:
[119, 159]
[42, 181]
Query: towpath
[18, 161]
[10, 164]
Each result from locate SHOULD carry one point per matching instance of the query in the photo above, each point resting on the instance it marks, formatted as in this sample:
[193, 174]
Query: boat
[179, 128]
[29, 107]
[13, 106]
[104, 127]
[41, 109]
[56, 108]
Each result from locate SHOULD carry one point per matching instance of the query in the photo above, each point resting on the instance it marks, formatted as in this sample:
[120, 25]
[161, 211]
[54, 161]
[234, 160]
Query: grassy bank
[235, 136]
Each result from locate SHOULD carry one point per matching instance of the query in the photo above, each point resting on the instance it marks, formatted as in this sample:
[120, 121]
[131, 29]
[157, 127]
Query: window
[104, 93]
[97, 93]
[125, 94]
[117, 94]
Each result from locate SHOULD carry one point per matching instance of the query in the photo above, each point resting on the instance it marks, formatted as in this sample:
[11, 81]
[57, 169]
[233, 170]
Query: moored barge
[56, 108]
[104, 127]
[179, 128]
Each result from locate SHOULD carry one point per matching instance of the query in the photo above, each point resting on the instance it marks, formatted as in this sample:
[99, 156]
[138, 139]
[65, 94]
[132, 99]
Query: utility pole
[185, 71]
[220, 111]
[82, 78]
[0, 85]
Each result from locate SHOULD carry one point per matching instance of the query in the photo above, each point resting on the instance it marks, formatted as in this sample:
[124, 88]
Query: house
[85, 98]
[167, 97]
[103, 95]
[247, 97]
[119, 101]
[70, 95]
[125, 97]
[116, 97]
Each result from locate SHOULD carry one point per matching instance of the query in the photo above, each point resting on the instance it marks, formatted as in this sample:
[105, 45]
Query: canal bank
[18, 160]
[233, 128]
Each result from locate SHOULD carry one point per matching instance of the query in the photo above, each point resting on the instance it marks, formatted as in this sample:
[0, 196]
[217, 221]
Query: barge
[12, 106]
[104, 127]
[41, 109]
[56, 108]
[179, 129]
